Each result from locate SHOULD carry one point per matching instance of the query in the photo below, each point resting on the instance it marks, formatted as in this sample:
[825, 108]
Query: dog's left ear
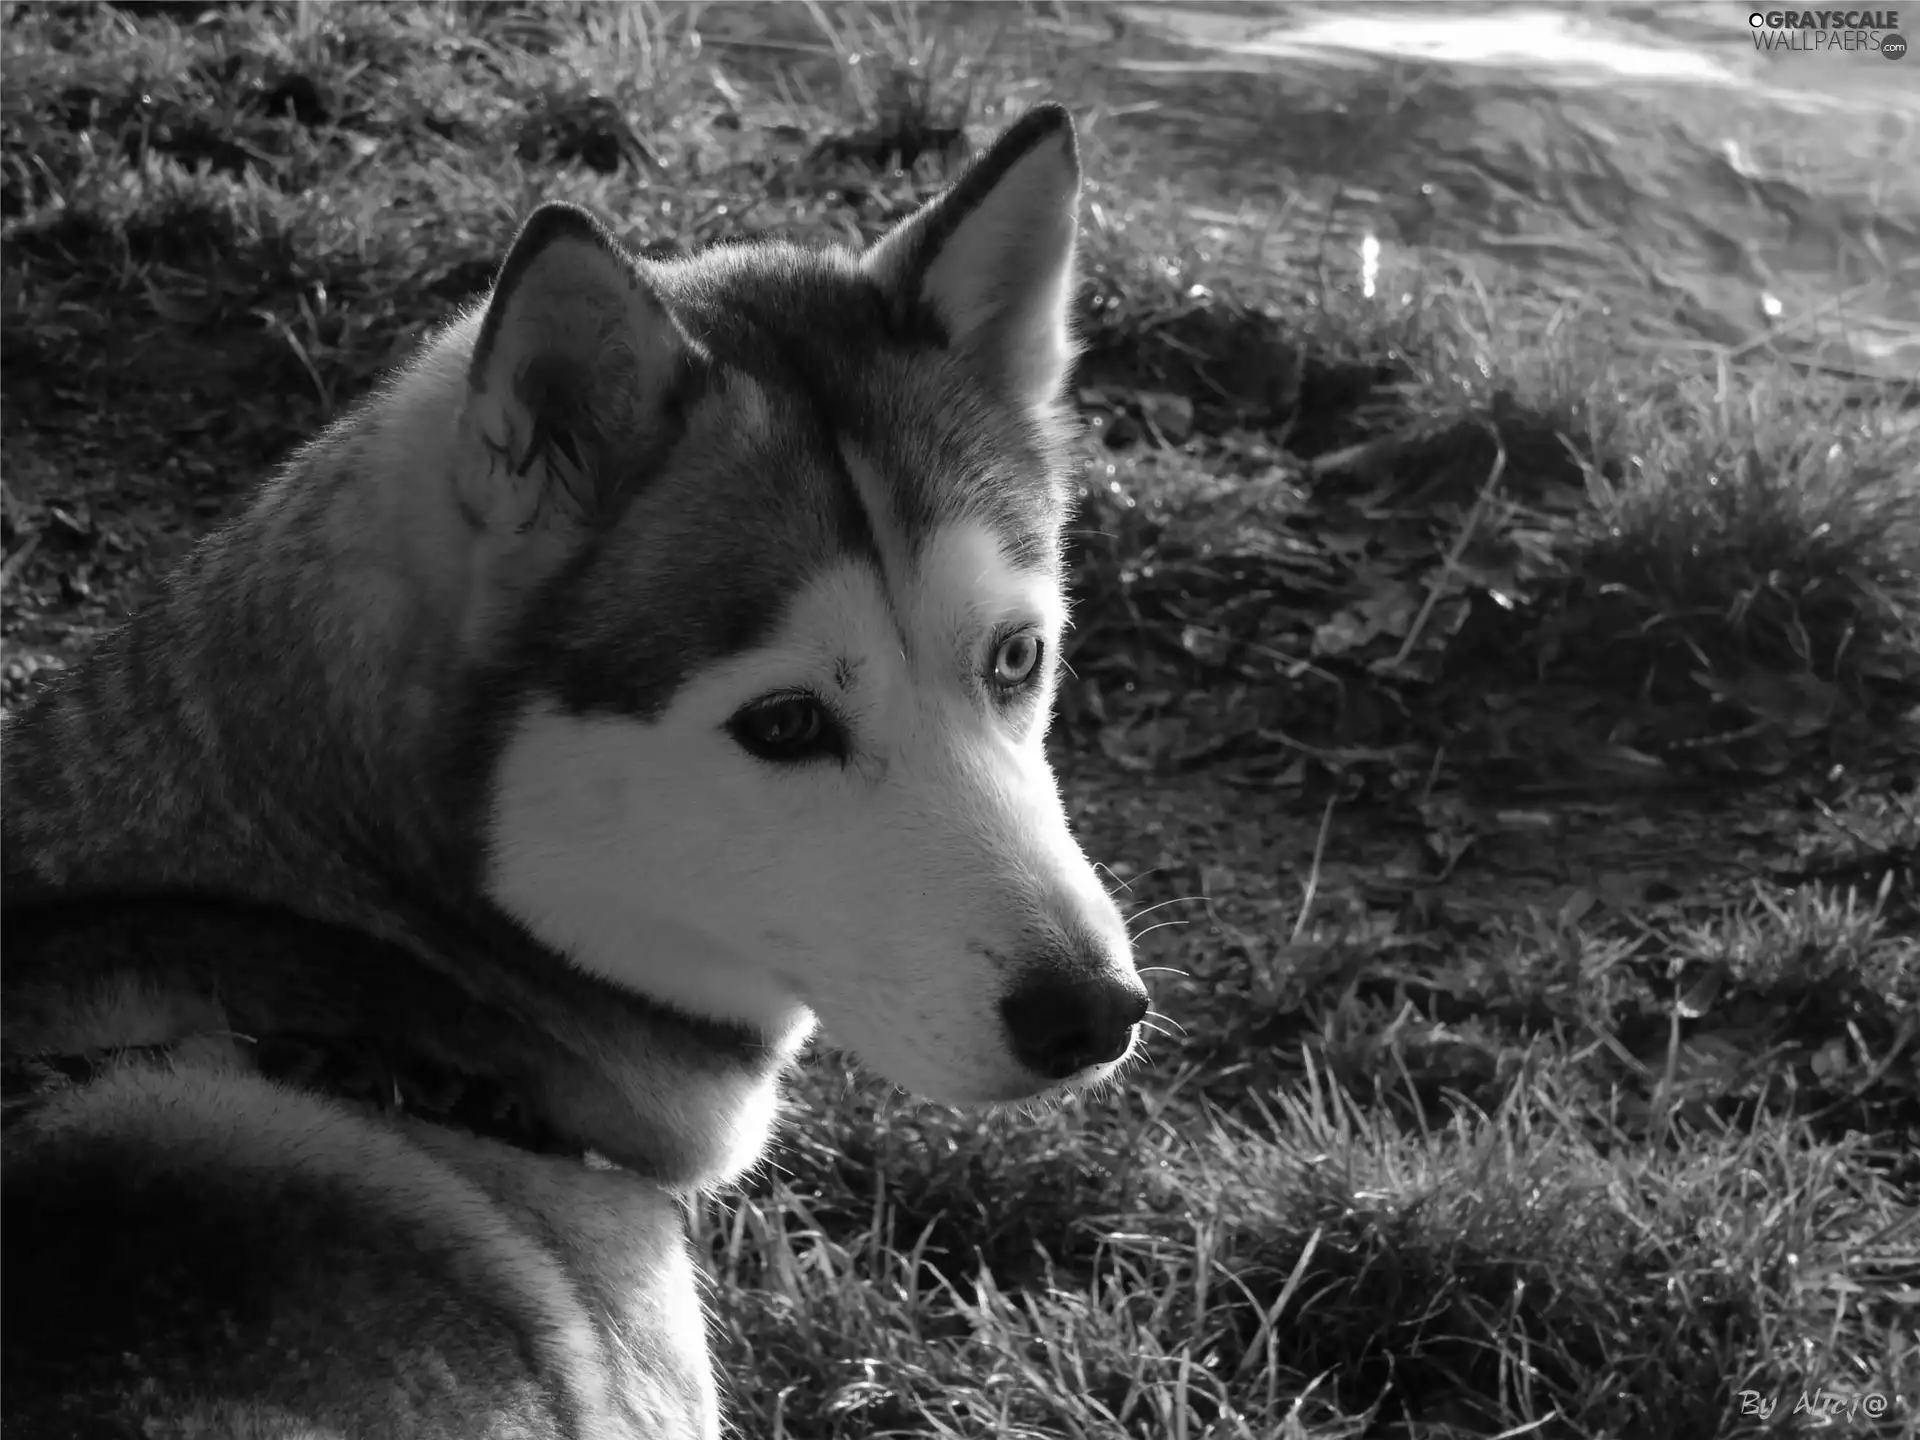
[991, 260]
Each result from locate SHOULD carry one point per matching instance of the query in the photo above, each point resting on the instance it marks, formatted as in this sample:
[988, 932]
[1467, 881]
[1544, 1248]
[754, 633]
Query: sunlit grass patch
[1725, 1000]
[1765, 541]
[1327, 1270]
[1014, 1189]
[1721, 573]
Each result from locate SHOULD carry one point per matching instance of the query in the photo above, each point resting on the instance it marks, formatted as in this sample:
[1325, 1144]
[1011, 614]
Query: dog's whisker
[1129, 884]
[1177, 900]
[1164, 970]
[1142, 934]
[1156, 1015]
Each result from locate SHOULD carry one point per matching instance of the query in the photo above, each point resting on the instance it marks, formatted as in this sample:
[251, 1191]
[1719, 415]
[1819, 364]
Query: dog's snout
[1063, 1025]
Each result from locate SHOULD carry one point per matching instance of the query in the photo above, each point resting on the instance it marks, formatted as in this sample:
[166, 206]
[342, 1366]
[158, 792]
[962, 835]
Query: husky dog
[657, 664]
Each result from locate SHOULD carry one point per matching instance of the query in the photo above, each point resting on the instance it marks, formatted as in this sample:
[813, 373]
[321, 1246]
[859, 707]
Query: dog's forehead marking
[890, 521]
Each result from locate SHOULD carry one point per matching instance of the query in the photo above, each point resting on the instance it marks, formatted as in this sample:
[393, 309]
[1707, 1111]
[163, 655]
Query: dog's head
[767, 554]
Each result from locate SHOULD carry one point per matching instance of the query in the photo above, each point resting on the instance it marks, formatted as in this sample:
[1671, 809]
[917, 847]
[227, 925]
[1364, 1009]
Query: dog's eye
[787, 728]
[1016, 659]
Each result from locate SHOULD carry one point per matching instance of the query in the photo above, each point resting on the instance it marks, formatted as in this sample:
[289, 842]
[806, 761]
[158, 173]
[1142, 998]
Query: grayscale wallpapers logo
[1870, 30]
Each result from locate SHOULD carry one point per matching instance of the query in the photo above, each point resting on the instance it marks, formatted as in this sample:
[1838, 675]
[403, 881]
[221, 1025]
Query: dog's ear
[991, 260]
[576, 381]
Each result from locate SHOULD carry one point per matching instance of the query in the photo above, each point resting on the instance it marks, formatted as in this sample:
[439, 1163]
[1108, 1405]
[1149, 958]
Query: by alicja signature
[1827, 1406]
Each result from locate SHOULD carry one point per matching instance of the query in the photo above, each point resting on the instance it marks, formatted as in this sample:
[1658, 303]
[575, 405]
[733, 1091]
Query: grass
[1490, 693]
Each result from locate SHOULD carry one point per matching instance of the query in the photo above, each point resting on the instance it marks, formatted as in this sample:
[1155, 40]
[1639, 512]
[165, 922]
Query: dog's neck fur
[300, 723]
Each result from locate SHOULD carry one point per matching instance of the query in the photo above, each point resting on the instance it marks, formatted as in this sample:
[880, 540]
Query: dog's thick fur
[432, 886]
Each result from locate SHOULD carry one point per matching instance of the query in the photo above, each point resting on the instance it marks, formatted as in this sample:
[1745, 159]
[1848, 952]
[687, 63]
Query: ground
[1493, 692]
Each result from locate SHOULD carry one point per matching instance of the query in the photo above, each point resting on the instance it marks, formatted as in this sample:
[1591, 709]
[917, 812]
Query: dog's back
[193, 1248]
[209, 1253]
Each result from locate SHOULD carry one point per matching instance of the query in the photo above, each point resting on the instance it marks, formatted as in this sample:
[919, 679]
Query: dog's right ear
[575, 381]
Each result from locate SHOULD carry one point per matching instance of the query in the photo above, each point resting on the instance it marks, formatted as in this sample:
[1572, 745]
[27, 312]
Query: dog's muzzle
[1062, 1025]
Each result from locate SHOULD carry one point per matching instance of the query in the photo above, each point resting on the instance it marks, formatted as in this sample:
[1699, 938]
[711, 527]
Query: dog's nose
[1061, 1026]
